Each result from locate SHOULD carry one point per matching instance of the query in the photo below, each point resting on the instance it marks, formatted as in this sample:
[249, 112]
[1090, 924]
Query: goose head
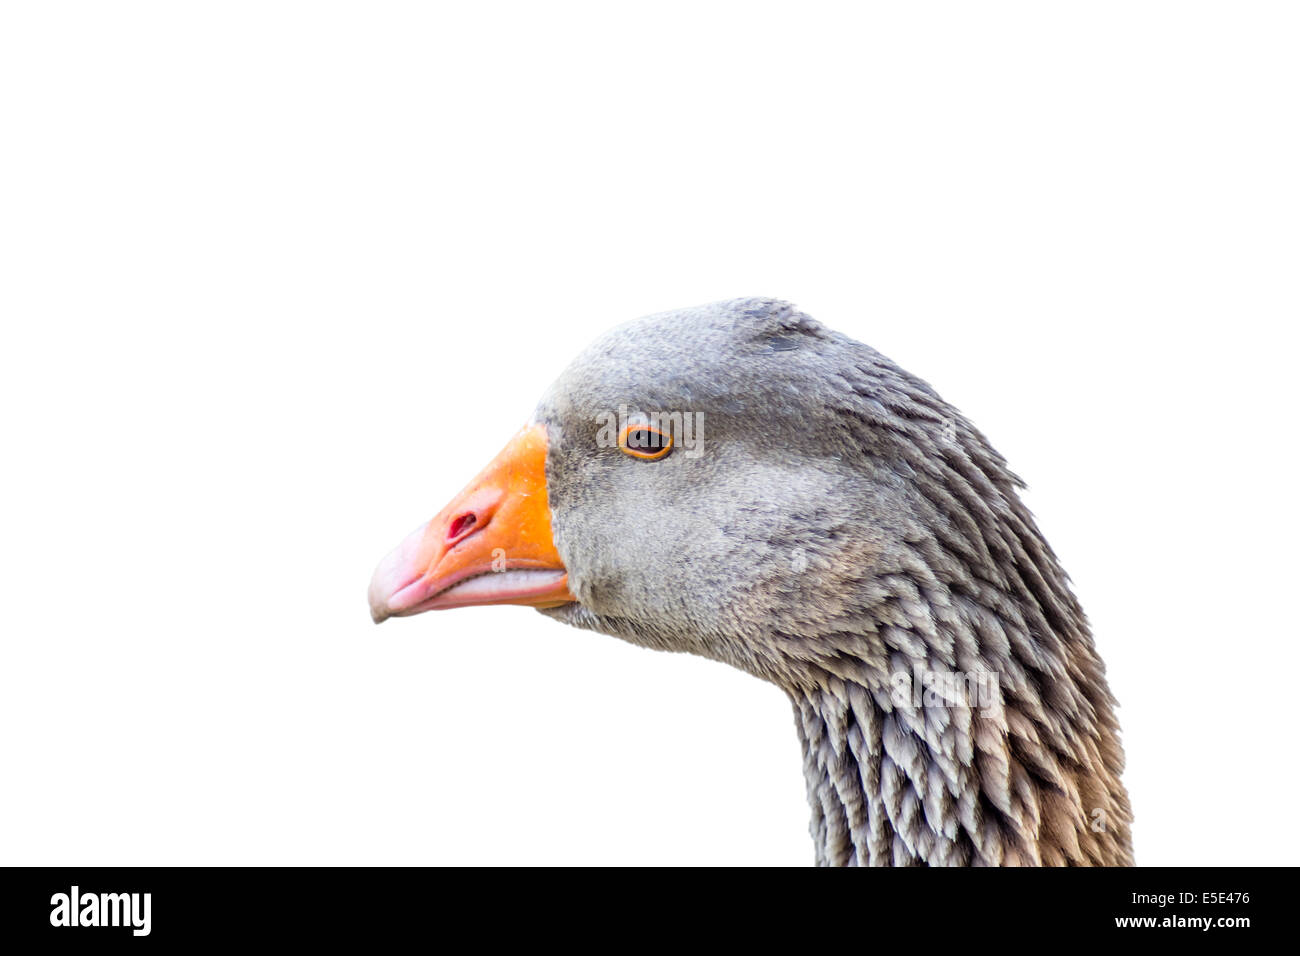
[740, 482]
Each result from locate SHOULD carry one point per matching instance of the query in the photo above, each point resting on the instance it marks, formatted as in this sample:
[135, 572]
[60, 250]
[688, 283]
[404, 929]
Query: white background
[277, 279]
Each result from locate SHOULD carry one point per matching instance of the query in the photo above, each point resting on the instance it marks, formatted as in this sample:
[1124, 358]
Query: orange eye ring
[645, 442]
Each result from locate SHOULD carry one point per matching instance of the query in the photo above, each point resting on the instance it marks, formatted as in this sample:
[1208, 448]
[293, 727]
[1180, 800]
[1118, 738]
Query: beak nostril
[460, 525]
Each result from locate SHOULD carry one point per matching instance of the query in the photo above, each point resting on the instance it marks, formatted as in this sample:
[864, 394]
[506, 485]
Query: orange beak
[491, 545]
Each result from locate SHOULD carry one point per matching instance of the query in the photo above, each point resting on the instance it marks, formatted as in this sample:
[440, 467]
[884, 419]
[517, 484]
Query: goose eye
[642, 441]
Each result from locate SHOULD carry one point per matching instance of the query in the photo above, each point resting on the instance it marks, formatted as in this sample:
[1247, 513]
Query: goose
[741, 482]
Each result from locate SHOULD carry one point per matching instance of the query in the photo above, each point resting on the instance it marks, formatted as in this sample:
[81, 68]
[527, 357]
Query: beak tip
[379, 608]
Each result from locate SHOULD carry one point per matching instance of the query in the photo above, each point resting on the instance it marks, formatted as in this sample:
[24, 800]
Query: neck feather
[917, 776]
[1008, 750]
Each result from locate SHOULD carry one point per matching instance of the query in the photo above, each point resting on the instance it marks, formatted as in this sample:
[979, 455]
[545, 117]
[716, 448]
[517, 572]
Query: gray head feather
[841, 531]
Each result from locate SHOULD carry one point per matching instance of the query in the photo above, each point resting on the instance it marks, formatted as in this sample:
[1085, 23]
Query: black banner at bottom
[662, 906]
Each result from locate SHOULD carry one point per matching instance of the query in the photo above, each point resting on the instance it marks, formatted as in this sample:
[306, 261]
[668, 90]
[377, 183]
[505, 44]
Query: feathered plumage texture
[847, 535]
